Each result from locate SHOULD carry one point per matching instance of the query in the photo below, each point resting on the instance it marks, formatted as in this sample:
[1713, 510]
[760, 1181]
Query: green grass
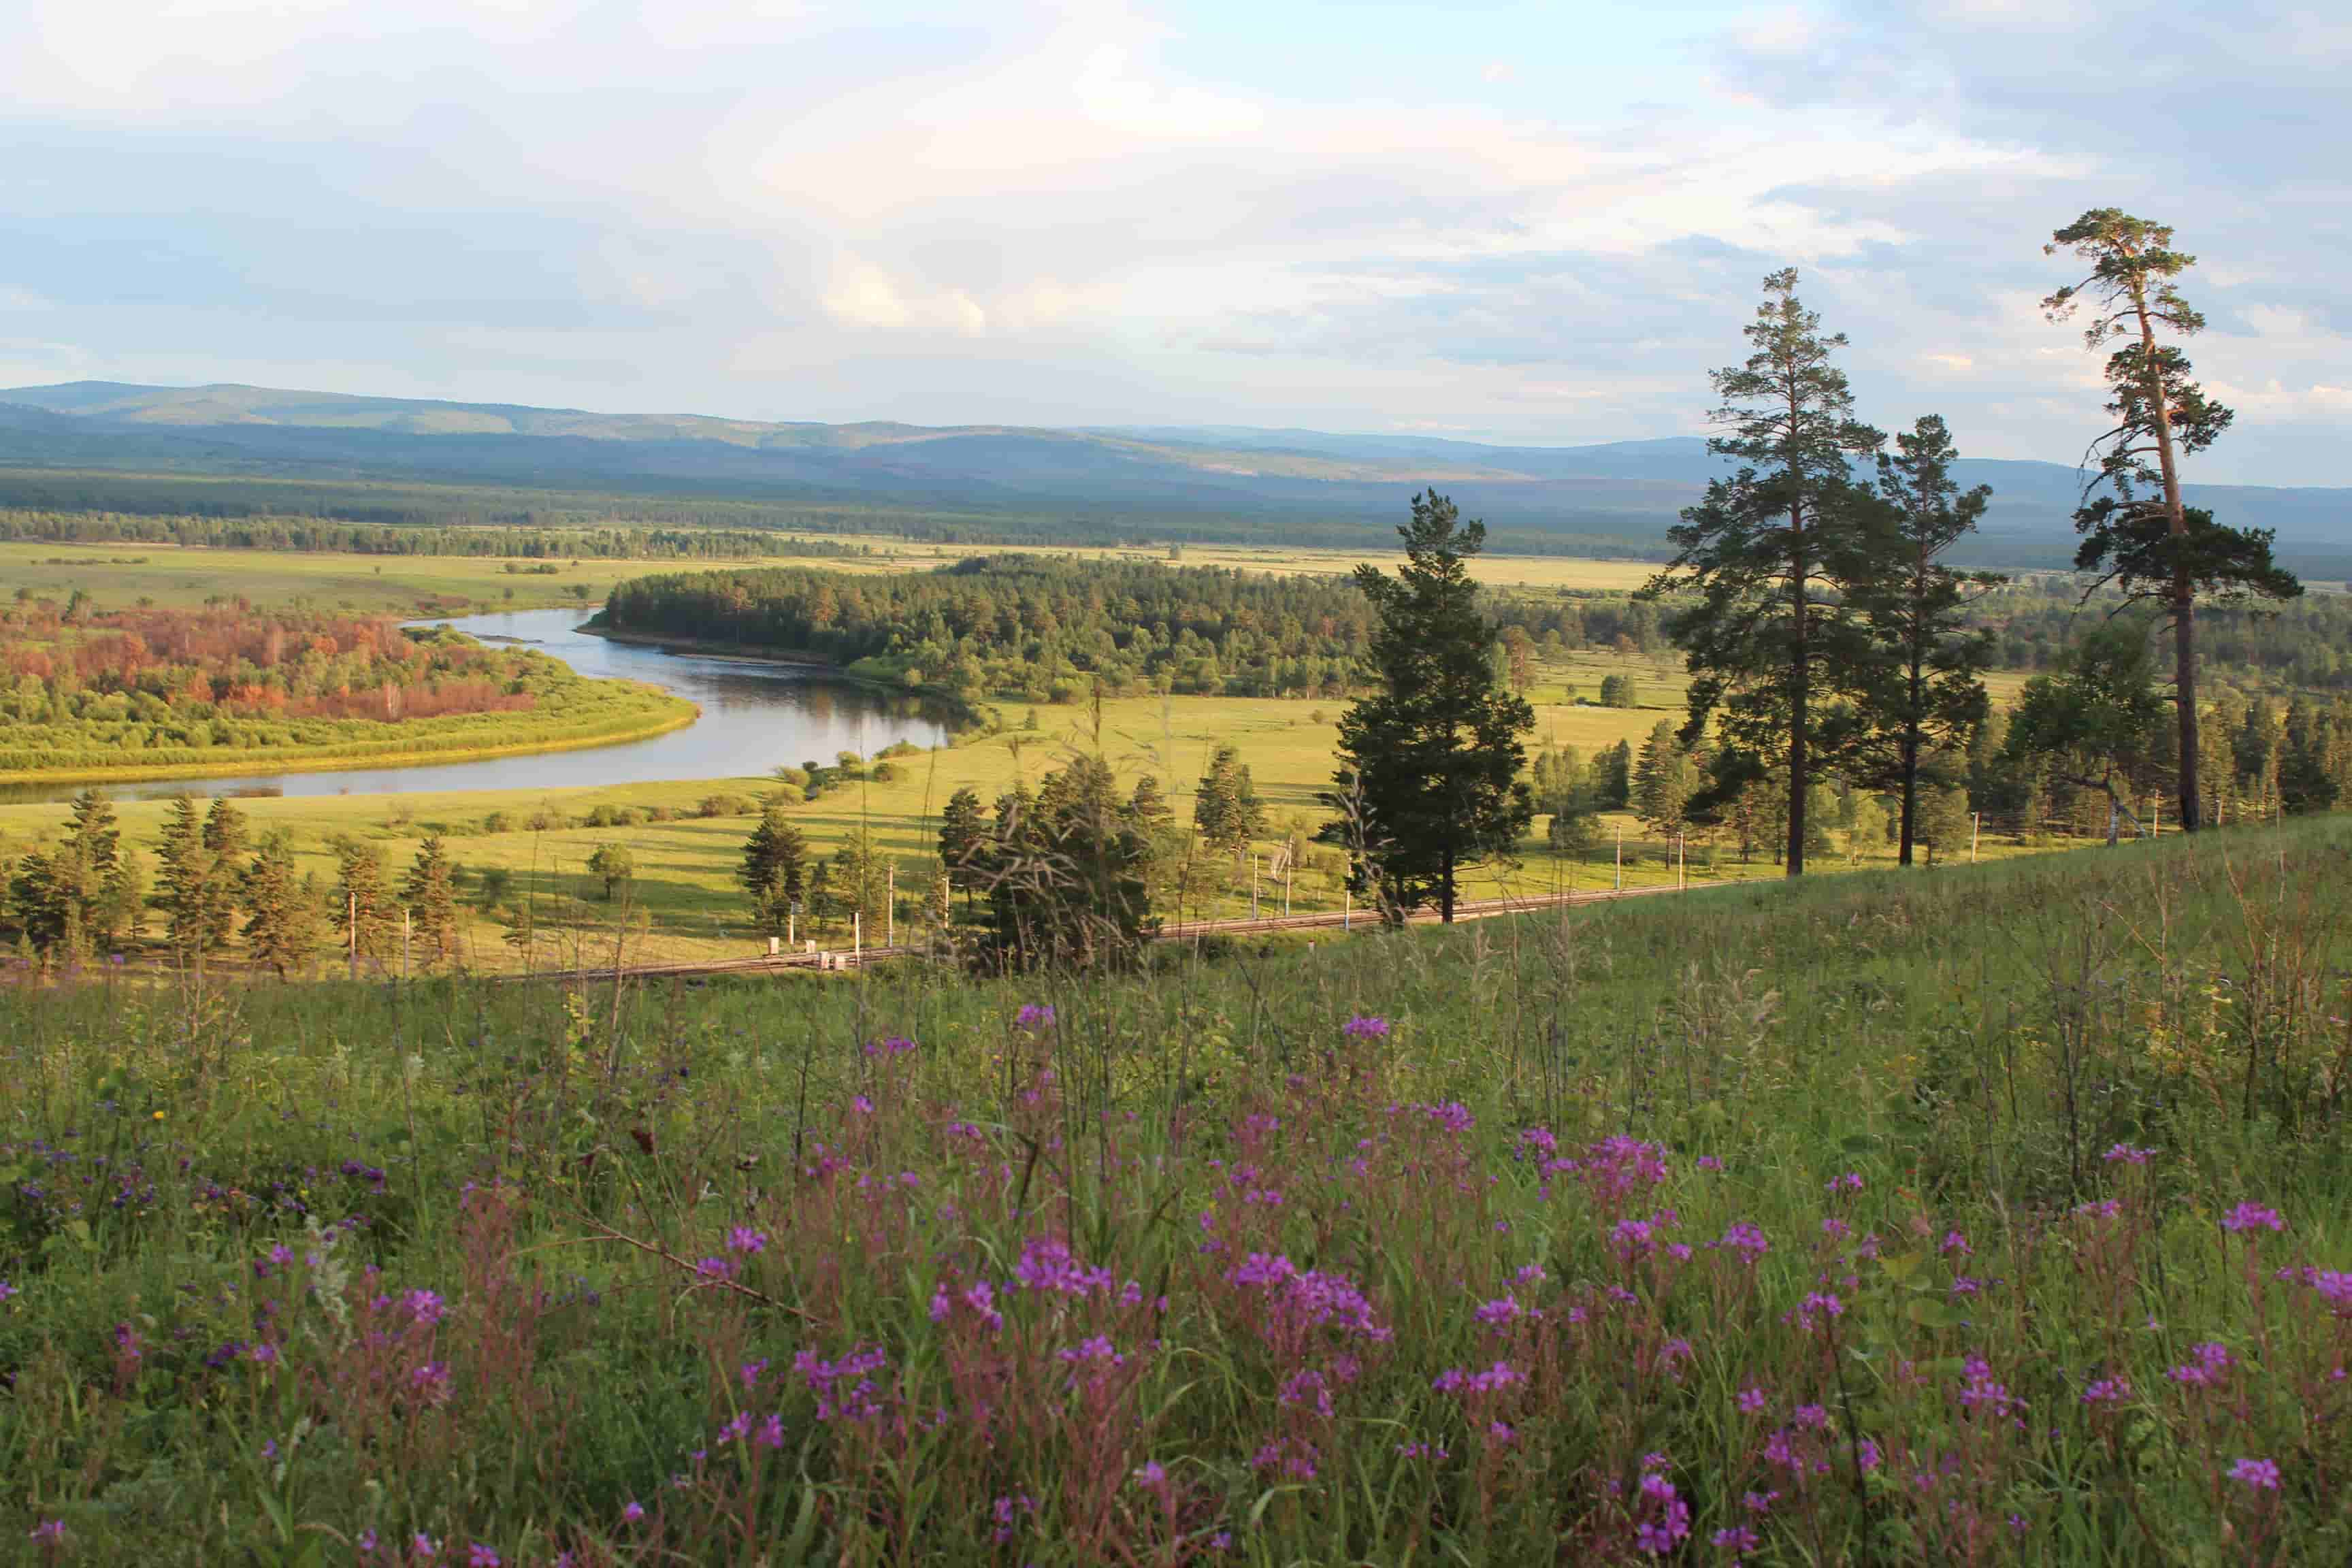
[685, 890]
[367, 584]
[1965, 1041]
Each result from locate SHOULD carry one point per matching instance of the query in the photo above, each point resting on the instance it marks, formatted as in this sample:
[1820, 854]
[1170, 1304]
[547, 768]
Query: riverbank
[681, 713]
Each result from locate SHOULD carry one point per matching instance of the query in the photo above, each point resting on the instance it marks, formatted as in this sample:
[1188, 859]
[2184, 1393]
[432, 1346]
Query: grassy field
[684, 896]
[684, 904]
[170, 575]
[115, 575]
[1994, 1216]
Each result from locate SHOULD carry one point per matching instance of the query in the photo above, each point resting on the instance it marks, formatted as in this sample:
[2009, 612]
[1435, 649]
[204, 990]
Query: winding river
[756, 716]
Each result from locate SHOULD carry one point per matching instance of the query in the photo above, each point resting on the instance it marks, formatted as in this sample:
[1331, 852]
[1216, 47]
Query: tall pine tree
[1760, 557]
[2139, 534]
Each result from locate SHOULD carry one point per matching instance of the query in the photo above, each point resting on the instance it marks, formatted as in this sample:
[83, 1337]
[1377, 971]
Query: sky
[1494, 220]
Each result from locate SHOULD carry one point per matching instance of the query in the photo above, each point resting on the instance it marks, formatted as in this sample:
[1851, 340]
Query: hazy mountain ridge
[1618, 487]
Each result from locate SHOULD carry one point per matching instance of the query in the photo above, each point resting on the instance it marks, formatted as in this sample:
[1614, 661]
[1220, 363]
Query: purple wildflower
[2256, 1475]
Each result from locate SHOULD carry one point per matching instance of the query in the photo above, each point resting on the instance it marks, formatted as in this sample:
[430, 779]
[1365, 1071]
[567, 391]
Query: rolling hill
[1289, 483]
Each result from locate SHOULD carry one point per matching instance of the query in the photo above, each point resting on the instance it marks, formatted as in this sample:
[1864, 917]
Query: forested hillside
[239, 449]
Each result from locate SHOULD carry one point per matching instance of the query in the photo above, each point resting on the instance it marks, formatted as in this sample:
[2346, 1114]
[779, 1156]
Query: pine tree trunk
[1800, 693]
[2184, 598]
[1910, 798]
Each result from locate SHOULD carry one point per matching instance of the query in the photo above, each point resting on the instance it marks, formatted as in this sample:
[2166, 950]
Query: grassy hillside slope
[1988, 1215]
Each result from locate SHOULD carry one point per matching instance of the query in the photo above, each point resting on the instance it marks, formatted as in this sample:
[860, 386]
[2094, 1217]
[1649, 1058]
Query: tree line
[1027, 626]
[89, 894]
[522, 540]
[86, 686]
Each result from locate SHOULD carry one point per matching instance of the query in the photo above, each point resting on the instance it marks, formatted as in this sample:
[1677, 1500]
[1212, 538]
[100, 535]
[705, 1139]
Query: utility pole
[1976, 820]
[1620, 857]
[890, 906]
[352, 929]
[857, 935]
[1252, 884]
[1682, 874]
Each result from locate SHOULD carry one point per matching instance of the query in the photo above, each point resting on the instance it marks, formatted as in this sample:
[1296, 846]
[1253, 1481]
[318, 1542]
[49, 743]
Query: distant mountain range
[1629, 490]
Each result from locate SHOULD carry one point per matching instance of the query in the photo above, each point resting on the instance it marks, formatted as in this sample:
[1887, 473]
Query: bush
[723, 804]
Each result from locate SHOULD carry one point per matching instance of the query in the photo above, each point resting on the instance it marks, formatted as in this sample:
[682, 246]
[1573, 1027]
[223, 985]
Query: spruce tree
[184, 875]
[774, 870]
[429, 891]
[359, 906]
[2140, 535]
[1429, 778]
[224, 843]
[963, 834]
[1225, 808]
[281, 926]
[1758, 564]
[1664, 780]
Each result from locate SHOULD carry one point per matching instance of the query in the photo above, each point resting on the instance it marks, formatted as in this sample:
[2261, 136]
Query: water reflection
[756, 716]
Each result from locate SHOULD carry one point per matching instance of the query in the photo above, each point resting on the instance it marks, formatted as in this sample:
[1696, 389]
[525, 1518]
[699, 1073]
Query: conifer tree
[281, 926]
[359, 906]
[184, 873]
[774, 870]
[1225, 808]
[1067, 887]
[964, 835]
[1919, 680]
[1429, 778]
[2140, 535]
[429, 891]
[1758, 562]
[1663, 780]
[226, 841]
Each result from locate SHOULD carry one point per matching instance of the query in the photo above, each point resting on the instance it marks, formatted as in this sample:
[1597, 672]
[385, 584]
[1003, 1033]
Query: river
[756, 717]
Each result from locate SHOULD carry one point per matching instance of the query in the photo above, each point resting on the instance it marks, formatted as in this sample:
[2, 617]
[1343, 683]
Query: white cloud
[812, 207]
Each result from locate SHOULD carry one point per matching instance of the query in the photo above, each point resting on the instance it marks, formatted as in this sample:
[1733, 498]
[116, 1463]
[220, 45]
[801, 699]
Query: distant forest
[85, 505]
[1044, 629]
[1024, 626]
[521, 541]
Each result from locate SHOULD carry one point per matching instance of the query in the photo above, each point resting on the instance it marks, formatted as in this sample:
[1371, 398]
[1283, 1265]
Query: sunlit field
[1991, 1215]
